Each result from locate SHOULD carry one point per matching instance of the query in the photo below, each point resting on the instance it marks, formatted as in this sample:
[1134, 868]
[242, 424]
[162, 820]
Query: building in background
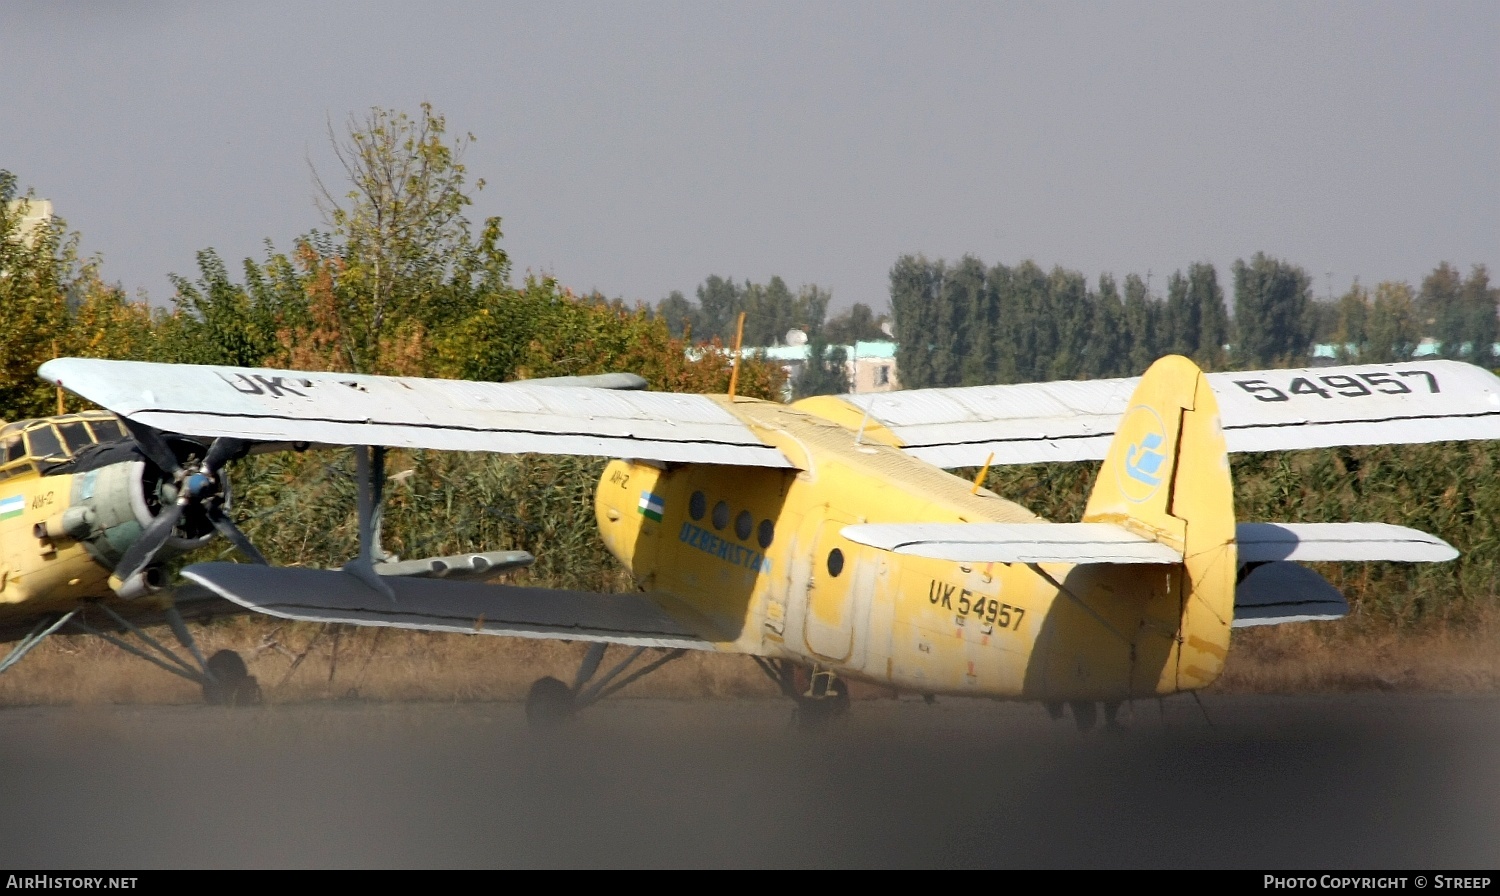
[37, 213]
[868, 366]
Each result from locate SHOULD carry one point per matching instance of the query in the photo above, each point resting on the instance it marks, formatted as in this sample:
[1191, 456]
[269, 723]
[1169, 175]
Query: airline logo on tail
[1145, 461]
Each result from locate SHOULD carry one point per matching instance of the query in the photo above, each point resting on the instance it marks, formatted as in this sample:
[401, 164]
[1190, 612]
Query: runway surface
[1385, 781]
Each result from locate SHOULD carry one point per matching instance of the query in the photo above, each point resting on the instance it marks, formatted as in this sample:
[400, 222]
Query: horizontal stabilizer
[1334, 542]
[1014, 542]
[1285, 592]
[317, 595]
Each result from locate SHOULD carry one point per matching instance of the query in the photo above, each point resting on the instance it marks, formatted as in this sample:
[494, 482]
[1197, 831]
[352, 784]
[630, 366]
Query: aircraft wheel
[550, 702]
[814, 713]
[232, 684]
[1085, 714]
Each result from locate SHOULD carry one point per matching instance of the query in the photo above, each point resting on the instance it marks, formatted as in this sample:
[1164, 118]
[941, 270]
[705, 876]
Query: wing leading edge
[289, 406]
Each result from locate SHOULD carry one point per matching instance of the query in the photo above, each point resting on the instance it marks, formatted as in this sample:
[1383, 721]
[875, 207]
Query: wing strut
[369, 465]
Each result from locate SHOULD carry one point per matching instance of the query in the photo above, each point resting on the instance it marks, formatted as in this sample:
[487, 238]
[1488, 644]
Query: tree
[720, 303]
[824, 372]
[1478, 301]
[1351, 331]
[406, 253]
[1440, 305]
[858, 324]
[915, 285]
[1105, 355]
[1143, 344]
[1196, 321]
[1272, 312]
[1072, 320]
[37, 267]
[1392, 330]
[680, 315]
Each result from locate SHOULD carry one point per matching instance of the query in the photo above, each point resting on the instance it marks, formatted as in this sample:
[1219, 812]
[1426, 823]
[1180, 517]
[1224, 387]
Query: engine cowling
[111, 505]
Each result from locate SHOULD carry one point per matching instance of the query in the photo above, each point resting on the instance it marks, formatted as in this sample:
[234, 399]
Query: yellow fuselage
[754, 556]
[40, 575]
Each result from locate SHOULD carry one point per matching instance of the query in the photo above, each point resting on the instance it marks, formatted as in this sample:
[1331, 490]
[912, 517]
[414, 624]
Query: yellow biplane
[80, 502]
[91, 507]
[825, 539]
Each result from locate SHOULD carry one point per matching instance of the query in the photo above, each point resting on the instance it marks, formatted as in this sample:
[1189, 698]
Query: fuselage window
[766, 533]
[721, 515]
[743, 524]
[835, 562]
[697, 506]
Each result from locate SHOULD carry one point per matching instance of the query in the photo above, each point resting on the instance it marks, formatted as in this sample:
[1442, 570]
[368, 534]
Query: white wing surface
[411, 412]
[1263, 410]
[1014, 542]
[1108, 543]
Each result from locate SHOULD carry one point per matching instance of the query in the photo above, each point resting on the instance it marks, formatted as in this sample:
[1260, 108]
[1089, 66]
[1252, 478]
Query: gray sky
[637, 148]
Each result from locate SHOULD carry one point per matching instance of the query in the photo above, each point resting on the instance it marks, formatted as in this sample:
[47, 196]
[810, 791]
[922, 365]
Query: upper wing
[412, 412]
[1263, 410]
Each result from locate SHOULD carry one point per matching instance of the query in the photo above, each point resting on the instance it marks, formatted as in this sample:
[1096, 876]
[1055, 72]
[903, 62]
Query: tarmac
[1241, 782]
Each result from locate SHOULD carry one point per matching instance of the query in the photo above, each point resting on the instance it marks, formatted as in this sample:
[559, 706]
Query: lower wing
[320, 595]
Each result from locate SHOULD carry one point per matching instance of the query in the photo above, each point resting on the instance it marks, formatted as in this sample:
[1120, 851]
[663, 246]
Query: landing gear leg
[1085, 714]
[551, 702]
[818, 694]
[37, 636]
[223, 677]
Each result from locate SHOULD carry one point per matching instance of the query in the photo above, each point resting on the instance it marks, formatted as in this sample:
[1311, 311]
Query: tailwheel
[819, 696]
[827, 699]
[228, 681]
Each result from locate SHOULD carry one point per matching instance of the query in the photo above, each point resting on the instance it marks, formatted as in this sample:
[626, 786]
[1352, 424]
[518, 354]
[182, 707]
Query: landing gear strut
[223, 677]
[551, 702]
[1086, 714]
[819, 695]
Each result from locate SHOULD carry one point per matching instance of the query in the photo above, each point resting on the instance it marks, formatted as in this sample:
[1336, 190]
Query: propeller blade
[222, 451]
[152, 443]
[232, 532]
[140, 554]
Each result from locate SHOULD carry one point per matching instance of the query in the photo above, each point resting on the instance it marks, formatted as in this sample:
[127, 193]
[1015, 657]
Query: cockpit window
[107, 429]
[76, 436]
[43, 442]
[11, 448]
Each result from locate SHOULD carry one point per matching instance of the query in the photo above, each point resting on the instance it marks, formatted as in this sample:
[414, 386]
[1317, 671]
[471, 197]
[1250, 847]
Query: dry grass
[299, 662]
[1335, 657]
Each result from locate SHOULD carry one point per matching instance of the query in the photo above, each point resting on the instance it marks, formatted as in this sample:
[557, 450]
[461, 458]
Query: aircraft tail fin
[1166, 478]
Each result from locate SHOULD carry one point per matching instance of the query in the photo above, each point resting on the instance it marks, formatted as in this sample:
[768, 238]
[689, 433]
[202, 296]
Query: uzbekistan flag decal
[15, 505]
[652, 506]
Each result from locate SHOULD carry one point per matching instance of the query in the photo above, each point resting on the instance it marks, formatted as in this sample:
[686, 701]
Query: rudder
[1166, 477]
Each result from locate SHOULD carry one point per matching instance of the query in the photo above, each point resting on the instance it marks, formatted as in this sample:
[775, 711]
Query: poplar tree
[914, 311]
[1272, 312]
